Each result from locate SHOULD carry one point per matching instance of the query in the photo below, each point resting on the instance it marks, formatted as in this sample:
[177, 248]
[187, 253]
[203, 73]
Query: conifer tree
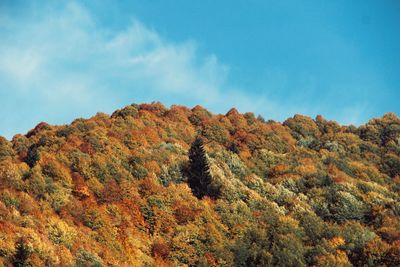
[23, 251]
[200, 179]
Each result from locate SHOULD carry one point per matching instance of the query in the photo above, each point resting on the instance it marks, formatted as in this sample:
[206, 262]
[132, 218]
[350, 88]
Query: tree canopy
[157, 186]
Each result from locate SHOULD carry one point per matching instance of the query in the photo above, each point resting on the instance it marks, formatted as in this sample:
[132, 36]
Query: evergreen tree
[200, 179]
[23, 251]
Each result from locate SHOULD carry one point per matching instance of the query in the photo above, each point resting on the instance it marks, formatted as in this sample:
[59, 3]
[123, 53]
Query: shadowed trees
[200, 179]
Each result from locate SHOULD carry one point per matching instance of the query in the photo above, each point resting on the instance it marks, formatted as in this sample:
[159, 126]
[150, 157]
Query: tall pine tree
[200, 179]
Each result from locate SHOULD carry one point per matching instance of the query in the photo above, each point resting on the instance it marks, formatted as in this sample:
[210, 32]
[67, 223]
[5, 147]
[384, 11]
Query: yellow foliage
[7, 247]
[337, 259]
[306, 167]
[336, 242]
[114, 191]
[60, 232]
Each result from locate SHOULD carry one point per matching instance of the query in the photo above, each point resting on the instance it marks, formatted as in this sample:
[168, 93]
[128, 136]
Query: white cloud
[63, 55]
[59, 63]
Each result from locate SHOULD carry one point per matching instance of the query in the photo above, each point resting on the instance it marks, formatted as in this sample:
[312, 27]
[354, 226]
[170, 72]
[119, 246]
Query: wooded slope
[113, 191]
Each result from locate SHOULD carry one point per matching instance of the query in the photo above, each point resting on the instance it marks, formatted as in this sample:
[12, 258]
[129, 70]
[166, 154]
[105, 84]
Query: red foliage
[111, 192]
[87, 148]
[161, 249]
[156, 108]
[41, 126]
[185, 213]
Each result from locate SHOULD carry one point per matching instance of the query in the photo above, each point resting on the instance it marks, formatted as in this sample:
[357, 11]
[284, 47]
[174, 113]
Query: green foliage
[66, 131]
[254, 249]
[9, 200]
[93, 219]
[265, 160]
[302, 126]
[172, 174]
[133, 189]
[6, 150]
[236, 166]
[131, 110]
[87, 259]
[313, 226]
[215, 132]
[200, 179]
[60, 233]
[136, 168]
[23, 250]
[149, 217]
[391, 164]
[33, 155]
[35, 182]
[345, 206]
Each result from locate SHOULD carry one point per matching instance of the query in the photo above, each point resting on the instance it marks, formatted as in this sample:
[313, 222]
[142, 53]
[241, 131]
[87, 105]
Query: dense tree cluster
[157, 186]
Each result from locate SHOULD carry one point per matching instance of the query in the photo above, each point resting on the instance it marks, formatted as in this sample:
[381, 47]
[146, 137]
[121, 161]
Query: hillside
[117, 191]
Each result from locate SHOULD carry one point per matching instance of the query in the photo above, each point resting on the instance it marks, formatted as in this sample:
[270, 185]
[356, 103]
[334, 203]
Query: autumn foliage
[157, 186]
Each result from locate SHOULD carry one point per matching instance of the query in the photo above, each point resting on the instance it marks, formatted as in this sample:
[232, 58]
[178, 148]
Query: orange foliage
[306, 167]
[113, 191]
[279, 169]
[338, 175]
[152, 166]
[80, 188]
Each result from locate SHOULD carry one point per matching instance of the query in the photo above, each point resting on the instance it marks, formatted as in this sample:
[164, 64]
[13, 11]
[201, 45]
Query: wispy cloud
[61, 64]
[57, 63]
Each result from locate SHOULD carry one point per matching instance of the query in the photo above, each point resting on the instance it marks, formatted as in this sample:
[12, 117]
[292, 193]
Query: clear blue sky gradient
[61, 60]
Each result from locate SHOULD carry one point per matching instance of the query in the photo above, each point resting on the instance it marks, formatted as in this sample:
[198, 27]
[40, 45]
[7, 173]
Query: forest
[157, 186]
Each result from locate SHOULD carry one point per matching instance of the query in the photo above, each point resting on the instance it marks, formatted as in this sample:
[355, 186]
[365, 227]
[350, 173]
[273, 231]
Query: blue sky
[60, 60]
